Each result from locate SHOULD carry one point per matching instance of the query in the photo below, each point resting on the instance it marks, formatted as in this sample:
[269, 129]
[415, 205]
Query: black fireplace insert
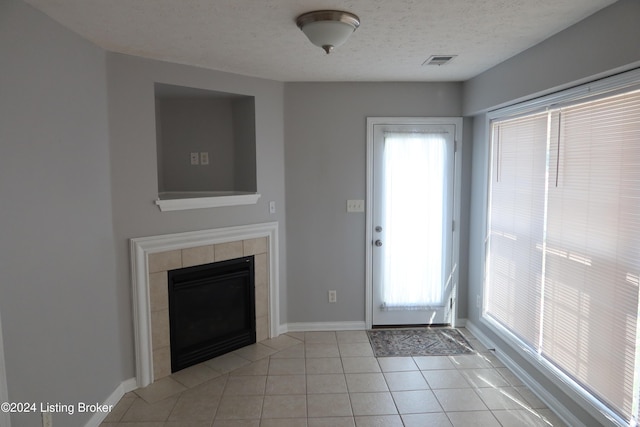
[211, 310]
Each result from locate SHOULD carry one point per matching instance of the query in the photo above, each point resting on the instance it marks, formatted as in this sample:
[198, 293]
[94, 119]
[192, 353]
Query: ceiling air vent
[439, 59]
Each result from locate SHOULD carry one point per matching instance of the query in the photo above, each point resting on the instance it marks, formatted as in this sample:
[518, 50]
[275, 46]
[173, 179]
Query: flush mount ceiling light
[328, 28]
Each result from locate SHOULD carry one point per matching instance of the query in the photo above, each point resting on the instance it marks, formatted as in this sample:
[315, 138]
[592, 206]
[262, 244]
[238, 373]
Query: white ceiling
[259, 37]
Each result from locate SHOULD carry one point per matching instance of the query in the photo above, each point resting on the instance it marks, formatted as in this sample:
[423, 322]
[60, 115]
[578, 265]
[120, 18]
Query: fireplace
[211, 310]
[153, 257]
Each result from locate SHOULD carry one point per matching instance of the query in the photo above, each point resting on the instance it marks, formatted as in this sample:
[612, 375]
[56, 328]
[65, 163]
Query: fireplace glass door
[211, 310]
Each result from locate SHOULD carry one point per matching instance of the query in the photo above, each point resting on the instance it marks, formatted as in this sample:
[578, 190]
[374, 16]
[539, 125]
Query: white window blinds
[516, 224]
[563, 260]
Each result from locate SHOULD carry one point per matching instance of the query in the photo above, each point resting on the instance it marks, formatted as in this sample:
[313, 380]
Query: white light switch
[355, 205]
[272, 207]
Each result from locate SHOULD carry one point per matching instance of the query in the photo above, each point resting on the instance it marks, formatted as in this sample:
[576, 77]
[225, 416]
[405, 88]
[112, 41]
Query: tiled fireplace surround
[161, 263]
[158, 254]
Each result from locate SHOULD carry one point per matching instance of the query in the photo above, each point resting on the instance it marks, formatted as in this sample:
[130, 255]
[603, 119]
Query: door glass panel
[414, 184]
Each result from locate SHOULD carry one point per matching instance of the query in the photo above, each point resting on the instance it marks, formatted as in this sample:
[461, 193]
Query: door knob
[378, 243]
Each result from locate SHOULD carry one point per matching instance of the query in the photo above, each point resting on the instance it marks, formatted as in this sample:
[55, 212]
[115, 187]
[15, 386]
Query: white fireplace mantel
[142, 247]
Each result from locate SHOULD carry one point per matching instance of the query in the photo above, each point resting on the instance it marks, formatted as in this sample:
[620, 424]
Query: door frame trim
[5, 417]
[457, 190]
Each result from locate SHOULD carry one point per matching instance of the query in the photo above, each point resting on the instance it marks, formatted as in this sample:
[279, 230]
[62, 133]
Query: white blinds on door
[414, 187]
[563, 262]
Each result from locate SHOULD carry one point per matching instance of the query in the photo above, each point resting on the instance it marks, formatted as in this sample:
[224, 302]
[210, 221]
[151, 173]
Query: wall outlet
[355, 205]
[195, 159]
[47, 419]
[478, 301]
[204, 158]
[333, 297]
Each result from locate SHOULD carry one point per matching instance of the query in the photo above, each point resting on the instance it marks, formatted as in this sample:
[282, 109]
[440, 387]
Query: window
[563, 255]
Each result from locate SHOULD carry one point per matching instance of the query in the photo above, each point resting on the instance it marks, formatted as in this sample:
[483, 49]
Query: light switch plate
[333, 297]
[204, 158]
[355, 205]
[195, 159]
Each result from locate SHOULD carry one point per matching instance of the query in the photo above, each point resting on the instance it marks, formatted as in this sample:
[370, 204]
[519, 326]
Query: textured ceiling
[259, 37]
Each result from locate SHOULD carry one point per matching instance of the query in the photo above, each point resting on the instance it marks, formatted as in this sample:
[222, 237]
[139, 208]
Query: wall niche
[206, 148]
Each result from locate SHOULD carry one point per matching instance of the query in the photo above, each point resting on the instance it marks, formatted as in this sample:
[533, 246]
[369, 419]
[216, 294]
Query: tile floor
[332, 379]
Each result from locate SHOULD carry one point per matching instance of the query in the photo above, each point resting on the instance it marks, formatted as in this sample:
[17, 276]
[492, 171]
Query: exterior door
[412, 223]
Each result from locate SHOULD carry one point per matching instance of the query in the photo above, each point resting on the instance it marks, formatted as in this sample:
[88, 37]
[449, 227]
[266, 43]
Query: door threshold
[424, 325]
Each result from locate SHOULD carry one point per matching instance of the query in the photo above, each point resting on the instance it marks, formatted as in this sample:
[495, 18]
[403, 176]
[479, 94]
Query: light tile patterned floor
[332, 379]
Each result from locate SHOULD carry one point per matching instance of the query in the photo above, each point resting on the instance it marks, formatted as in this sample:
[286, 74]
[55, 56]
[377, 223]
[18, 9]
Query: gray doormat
[418, 342]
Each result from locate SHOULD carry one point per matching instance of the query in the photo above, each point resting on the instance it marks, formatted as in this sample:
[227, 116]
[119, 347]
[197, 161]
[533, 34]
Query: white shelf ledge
[179, 201]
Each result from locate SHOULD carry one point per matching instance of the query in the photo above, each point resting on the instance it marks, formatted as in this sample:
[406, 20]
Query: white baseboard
[336, 326]
[542, 394]
[322, 326]
[125, 387]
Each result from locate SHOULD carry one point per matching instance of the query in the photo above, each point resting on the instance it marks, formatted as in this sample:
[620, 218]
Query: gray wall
[134, 169]
[244, 131]
[57, 293]
[196, 124]
[325, 157]
[603, 44]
